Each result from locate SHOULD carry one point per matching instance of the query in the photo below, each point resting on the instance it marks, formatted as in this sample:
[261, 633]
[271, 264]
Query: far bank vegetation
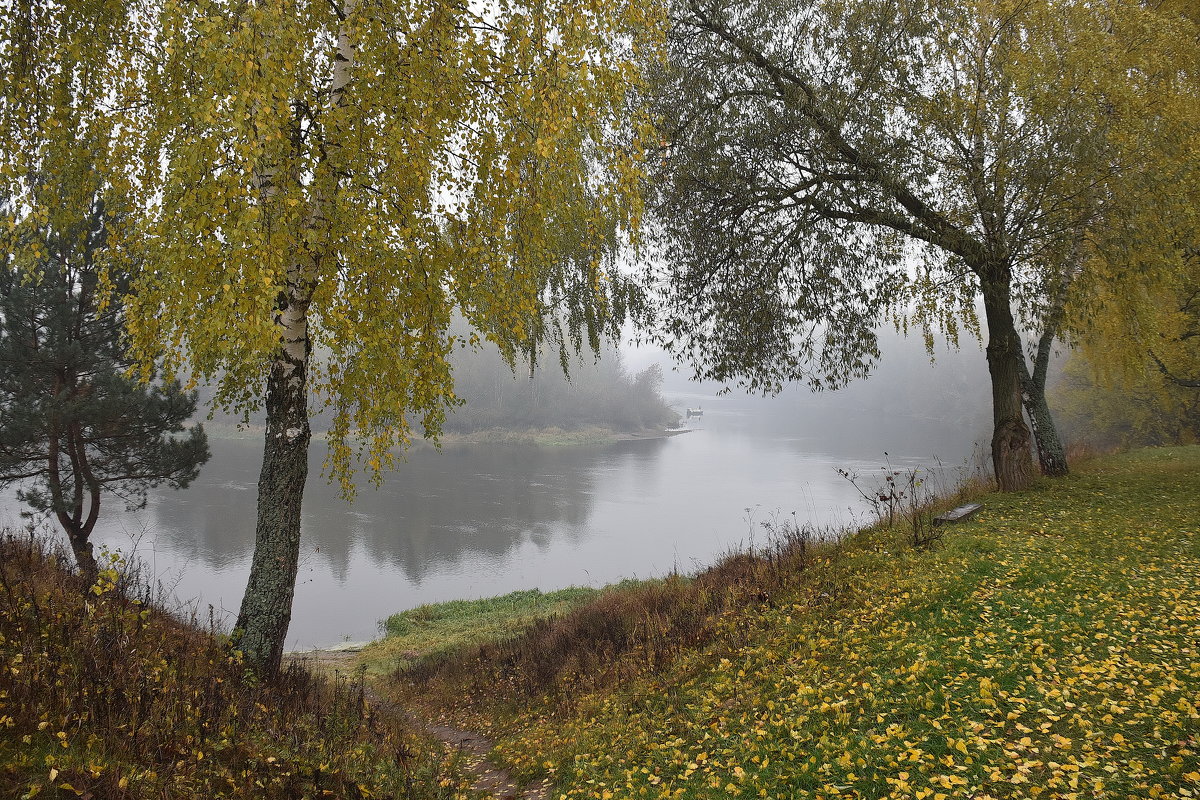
[598, 393]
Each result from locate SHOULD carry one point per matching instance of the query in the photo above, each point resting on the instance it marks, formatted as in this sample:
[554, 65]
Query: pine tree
[74, 428]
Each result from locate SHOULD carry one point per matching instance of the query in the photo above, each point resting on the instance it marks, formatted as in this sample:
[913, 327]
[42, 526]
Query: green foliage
[1144, 318]
[103, 696]
[1176, 356]
[1137, 380]
[1138, 410]
[65, 89]
[867, 158]
[1046, 648]
[1132, 299]
[803, 170]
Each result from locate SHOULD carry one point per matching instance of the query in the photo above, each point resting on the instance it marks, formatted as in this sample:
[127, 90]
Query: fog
[949, 389]
[617, 388]
[476, 520]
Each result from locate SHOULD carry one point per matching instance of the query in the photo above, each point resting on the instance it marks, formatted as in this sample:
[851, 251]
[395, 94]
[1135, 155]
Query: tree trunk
[85, 558]
[266, 610]
[71, 519]
[1052, 456]
[1011, 455]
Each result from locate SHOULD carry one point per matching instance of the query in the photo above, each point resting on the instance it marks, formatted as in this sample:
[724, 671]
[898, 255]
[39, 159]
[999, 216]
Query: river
[476, 520]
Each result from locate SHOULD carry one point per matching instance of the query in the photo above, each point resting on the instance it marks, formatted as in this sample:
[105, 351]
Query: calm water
[480, 520]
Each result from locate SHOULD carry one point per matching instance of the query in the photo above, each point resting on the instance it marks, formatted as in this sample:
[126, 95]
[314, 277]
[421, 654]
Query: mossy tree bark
[1011, 454]
[1052, 456]
[266, 609]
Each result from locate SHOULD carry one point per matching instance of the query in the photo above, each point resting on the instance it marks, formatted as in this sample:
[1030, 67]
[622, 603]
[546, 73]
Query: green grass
[431, 630]
[1050, 647]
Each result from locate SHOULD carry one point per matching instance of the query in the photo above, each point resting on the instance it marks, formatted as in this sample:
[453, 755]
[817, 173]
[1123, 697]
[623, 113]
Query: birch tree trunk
[266, 609]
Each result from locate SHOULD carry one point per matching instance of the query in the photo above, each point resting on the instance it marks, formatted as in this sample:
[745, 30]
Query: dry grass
[621, 632]
[638, 628]
[1044, 648]
[630, 633]
[102, 696]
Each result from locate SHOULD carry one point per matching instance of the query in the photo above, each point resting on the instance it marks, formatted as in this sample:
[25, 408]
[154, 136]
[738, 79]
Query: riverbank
[438, 629]
[1047, 647]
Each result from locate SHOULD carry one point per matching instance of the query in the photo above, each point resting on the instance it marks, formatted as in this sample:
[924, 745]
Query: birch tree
[342, 177]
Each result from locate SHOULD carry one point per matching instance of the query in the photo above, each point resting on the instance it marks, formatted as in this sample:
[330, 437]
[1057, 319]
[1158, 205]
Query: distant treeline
[1122, 411]
[600, 391]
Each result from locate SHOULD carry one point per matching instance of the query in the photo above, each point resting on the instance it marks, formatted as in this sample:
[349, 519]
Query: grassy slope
[103, 697]
[1048, 648]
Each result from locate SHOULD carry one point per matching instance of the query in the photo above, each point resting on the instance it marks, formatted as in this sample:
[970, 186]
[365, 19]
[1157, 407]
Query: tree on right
[828, 165]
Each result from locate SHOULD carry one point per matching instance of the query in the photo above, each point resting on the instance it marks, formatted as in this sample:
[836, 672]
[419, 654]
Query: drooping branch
[1173, 377]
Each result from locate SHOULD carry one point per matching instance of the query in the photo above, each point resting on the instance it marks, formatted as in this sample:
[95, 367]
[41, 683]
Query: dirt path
[474, 747]
[489, 777]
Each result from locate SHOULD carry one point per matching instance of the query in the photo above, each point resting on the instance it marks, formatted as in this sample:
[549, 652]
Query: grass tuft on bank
[1049, 647]
[431, 630]
[611, 635]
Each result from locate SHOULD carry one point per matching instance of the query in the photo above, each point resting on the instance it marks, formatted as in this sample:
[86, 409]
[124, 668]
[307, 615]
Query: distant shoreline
[657, 434]
[541, 437]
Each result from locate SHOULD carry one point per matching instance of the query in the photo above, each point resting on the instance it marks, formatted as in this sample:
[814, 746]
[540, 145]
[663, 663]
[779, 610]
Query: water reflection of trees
[438, 509]
[433, 512]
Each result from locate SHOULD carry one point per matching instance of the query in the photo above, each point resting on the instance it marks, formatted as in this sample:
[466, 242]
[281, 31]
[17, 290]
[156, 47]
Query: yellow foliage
[345, 175]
